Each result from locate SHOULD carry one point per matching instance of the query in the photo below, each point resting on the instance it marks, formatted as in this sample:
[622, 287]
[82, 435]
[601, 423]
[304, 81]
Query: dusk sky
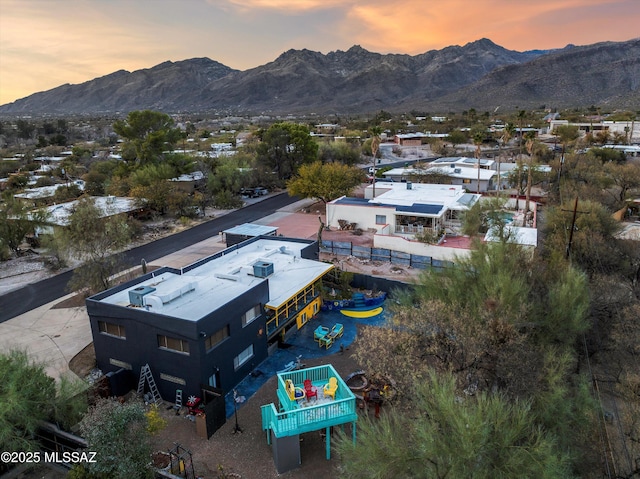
[46, 43]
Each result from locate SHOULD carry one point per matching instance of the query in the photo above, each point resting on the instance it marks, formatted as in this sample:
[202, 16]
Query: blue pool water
[301, 343]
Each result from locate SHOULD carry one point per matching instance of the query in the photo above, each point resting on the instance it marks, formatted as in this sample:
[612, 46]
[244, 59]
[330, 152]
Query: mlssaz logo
[72, 457]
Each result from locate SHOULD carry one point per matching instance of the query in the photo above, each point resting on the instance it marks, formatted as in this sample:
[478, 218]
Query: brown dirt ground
[247, 453]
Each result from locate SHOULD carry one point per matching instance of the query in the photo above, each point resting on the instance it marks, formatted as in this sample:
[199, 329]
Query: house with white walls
[403, 208]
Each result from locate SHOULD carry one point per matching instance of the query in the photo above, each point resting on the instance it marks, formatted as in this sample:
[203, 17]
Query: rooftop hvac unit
[409, 185]
[136, 294]
[262, 269]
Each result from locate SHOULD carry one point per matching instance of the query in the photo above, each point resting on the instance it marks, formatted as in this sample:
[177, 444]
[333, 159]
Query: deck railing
[295, 418]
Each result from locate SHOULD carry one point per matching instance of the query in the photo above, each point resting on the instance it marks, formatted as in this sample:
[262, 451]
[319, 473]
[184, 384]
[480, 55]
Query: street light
[237, 400]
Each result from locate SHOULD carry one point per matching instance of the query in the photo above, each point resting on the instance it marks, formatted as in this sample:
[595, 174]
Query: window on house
[214, 381]
[173, 344]
[381, 219]
[217, 337]
[251, 315]
[112, 329]
[466, 181]
[243, 357]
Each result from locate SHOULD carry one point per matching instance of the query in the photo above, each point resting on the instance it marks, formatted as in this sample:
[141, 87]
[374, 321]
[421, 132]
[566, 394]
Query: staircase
[146, 376]
[358, 300]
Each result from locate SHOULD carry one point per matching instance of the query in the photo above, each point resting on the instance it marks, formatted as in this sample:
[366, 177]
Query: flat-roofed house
[402, 208]
[210, 323]
[460, 171]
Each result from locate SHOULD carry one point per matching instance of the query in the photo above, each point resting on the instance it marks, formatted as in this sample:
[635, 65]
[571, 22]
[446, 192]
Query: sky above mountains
[46, 43]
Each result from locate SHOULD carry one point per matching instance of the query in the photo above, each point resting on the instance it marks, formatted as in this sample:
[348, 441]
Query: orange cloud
[284, 6]
[44, 44]
[413, 26]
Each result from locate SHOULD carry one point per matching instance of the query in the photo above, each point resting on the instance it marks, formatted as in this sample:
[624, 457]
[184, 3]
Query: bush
[226, 200]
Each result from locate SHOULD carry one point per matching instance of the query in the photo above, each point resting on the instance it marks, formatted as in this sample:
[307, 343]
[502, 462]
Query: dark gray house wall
[143, 326]
[141, 343]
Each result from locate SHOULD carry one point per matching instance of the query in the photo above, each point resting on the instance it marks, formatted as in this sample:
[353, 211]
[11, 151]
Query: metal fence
[346, 248]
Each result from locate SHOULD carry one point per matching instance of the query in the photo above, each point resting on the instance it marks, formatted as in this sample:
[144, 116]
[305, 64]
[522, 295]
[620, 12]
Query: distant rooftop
[46, 191]
[420, 198]
[195, 176]
[462, 161]
[251, 229]
[519, 235]
[109, 205]
[205, 286]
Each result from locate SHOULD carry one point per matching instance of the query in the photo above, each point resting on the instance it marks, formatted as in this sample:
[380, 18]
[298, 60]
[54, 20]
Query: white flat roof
[462, 172]
[195, 176]
[423, 193]
[520, 235]
[251, 229]
[462, 161]
[205, 288]
[109, 205]
[46, 191]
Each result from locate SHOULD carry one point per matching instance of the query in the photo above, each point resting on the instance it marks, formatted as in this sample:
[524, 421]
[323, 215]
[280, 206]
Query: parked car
[253, 192]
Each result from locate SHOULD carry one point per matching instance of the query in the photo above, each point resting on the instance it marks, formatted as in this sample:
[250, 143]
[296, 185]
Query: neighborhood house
[403, 208]
[212, 322]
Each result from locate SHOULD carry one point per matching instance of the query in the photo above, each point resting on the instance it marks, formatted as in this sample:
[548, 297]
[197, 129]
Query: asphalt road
[37, 294]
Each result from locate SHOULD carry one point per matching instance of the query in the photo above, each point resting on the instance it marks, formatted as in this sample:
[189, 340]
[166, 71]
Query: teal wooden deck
[300, 416]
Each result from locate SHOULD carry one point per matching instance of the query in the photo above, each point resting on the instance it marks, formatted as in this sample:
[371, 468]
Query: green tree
[93, 238]
[16, 221]
[483, 215]
[482, 436]
[148, 133]
[118, 434]
[456, 137]
[285, 147]
[325, 181]
[25, 400]
[593, 247]
[339, 152]
[28, 396]
[625, 178]
[227, 176]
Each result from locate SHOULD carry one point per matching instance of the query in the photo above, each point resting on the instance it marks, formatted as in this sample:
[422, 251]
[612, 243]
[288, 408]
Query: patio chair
[320, 333]
[336, 331]
[310, 390]
[331, 387]
[295, 393]
[326, 341]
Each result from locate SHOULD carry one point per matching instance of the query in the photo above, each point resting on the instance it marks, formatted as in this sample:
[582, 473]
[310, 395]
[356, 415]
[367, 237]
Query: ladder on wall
[178, 404]
[146, 376]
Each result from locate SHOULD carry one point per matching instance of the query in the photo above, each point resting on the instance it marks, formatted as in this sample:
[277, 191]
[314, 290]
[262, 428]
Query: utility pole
[573, 226]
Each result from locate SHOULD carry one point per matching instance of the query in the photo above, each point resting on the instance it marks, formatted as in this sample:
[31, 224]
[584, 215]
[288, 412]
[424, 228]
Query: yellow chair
[330, 388]
[294, 393]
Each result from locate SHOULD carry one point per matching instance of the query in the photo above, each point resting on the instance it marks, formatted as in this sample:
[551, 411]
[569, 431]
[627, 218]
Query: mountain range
[480, 75]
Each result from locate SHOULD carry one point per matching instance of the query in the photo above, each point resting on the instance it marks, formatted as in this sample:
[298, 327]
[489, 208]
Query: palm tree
[531, 149]
[477, 140]
[507, 134]
[375, 132]
[521, 116]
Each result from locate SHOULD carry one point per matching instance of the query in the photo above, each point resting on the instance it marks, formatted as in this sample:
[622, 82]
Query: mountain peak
[357, 81]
